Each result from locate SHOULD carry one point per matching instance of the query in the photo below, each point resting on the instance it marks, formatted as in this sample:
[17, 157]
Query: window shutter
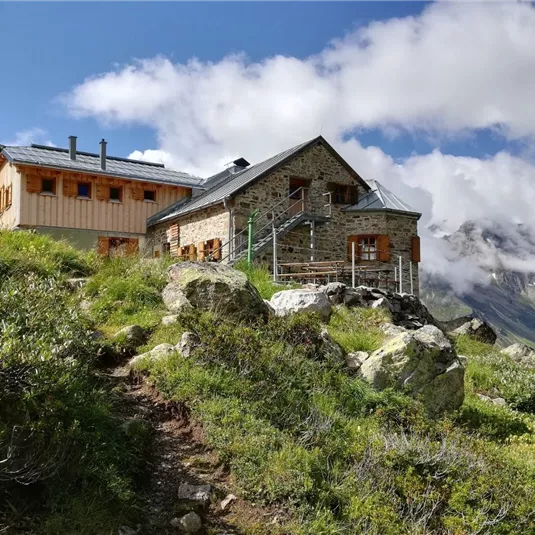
[217, 249]
[132, 246]
[103, 245]
[33, 184]
[103, 193]
[383, 248]
[136, 193]
[200, 251]
[2, 198]
[9, 195]
[415, 249]
[353, 194]
[192, 253]
[353, 239]
[70, 188]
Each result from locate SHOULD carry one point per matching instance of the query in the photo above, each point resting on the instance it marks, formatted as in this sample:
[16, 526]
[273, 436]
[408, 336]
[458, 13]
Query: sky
[434, 100]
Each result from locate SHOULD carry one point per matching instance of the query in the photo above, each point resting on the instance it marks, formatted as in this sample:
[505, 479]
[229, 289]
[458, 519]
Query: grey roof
[86, 162]
[381, 198]
[226, 188]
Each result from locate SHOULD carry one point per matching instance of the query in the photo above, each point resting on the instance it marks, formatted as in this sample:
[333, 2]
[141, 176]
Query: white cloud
[31, 135]
[452, 70]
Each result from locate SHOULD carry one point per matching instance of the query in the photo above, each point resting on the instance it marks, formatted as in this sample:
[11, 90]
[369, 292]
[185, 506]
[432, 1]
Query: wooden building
[92, 200]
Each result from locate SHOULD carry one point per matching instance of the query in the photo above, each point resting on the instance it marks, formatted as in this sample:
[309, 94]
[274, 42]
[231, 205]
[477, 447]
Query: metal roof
[86, 162]
[226, 188]
[381, 198]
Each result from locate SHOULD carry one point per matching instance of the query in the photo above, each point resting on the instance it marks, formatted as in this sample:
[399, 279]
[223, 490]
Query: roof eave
[408, 213]
[103, 173]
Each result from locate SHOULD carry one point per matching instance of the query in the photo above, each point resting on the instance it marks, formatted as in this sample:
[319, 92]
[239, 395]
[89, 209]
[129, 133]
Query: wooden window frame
[89, 185]
[150, 192]
[120, 190]
[343, 194]
[369, 253]
[53, 189]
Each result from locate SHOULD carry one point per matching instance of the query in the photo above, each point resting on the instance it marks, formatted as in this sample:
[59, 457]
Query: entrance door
[298, 195]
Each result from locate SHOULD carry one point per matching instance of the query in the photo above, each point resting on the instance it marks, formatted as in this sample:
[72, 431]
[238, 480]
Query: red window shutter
[70, 188]
[136, 193]
[9, 195]
[103, 245]
[353, 239]
[217, 249]
[132, 246]
[383, 248]
[103, 193]
[415, 249]
[33, 184]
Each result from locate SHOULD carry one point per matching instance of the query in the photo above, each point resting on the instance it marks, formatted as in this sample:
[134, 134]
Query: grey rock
[188, 342]
[482, 397]
[170, 320]
[390, 330]
[478, 329]
[521, 353]
[190, 523]
[383, 303]
[131, 337]
[334, 292]
[355, 360]
[330, 347]
[463, 360]
[227, 501]
[217, 287]
[197, 494]
[174, 299]
[271, 310]
[159, 352]
[293, 301]
[77, 283]
[500, 402]
[422, 363]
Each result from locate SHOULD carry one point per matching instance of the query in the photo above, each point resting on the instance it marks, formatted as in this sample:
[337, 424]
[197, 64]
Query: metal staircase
[279, 224]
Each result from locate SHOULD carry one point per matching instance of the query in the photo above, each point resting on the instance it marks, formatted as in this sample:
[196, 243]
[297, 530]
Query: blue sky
[63, 43]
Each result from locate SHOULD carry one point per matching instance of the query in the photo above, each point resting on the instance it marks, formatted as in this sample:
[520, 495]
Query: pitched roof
[224, 185]
[382, 199]
[86, 162]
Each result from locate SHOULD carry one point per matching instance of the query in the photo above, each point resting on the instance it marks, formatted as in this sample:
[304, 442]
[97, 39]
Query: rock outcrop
[157, 353]
[406, 310]
[521, 353]
[478, 329]
[129, 338]
[421, 362]
[302, 300]
[215, 287]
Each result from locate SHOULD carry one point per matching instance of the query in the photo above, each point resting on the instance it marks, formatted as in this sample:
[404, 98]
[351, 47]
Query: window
[48, 186]
[343, 194]
[116, 194]
[84, 190]
[149, 195]
[368, 248]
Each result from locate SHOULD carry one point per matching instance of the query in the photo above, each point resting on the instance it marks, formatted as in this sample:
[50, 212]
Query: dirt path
[179, 455]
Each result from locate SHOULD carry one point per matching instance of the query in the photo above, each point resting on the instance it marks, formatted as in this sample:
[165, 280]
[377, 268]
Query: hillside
[262, 410]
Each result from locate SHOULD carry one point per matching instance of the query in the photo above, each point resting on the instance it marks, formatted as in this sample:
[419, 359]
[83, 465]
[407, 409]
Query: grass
[356, 329]
[296, 429]
[260, 276]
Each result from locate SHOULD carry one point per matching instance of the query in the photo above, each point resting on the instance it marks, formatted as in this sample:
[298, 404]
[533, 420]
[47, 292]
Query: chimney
[72, 147]
[103, 154]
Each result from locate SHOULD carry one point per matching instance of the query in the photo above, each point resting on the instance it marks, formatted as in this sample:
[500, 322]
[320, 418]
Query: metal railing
[263, 231]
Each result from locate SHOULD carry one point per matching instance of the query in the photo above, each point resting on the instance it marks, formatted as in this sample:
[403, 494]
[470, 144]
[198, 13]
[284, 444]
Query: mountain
[504, 292]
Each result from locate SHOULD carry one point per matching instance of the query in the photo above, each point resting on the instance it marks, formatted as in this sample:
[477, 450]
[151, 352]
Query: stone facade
[316, 167]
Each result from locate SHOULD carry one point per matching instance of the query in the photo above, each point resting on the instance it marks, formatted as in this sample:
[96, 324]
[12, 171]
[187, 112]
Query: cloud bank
[450, 72]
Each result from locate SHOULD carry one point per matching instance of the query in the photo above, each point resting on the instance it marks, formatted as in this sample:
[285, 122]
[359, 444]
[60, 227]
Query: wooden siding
[9, 218]
[130, 215]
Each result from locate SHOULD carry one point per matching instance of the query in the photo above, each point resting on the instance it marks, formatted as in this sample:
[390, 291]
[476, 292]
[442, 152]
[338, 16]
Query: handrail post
[400, 275]
[302, 199]
[274, 231]
[410, 275]
[250, 223]
[353, 264]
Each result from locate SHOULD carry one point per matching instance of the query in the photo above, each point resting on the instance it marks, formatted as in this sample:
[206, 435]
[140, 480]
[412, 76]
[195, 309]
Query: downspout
[230, 228]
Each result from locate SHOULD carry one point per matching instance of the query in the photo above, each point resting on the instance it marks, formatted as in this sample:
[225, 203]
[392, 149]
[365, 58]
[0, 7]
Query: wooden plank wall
[69, 212]
[9, 217]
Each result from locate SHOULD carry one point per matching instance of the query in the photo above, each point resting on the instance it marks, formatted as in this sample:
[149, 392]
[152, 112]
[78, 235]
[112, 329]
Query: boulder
[216, 287]
[355, 360]
[190, 523]
[334, 291]
[188, 343]
[330, 347]
[293, 301]
[174, 299]
[478, 329]
[391, 330]
[521, 353]
[130, 338]
[195, 494]
[159, 352]
[424, 364]
[382, 302]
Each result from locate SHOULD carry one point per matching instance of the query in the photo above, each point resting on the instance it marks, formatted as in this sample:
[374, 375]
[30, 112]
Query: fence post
[250, 223]
[410, 275]
[275, 263]
[395, 279]
[353, 264]
[400, 275]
